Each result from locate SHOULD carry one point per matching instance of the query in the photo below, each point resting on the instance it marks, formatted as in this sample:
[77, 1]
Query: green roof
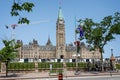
[60, 16]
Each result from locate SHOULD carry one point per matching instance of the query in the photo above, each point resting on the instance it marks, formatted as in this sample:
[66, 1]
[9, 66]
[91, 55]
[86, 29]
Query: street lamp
[13, 26]
[77, 44]
[112, 61]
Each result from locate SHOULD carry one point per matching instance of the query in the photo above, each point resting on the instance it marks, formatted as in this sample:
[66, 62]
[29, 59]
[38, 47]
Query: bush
[73, 65]
[118, 66]
[21, 66]
[70, 64]
[47, 65]
[30, 65]
[82, 65]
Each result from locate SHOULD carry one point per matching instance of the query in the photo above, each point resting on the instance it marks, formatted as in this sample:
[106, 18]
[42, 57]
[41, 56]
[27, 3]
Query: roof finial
[60, 4]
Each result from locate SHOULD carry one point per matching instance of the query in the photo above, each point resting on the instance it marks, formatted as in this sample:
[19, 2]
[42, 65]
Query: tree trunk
[6, 68]
[102, 67]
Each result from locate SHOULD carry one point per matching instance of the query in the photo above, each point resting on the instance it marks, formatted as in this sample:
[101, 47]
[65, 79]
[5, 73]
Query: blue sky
[44, 16]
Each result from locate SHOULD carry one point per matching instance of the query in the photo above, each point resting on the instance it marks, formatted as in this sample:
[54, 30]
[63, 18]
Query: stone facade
[35, 51]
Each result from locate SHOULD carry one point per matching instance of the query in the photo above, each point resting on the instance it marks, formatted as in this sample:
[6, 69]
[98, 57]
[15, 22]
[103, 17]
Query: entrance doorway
[61, 56]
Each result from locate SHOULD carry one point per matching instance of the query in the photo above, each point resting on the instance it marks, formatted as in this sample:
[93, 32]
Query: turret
[49, 43]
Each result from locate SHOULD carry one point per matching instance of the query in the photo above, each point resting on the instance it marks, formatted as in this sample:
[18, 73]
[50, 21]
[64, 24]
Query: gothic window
[61, 35]
[61, 25]
[61, 28]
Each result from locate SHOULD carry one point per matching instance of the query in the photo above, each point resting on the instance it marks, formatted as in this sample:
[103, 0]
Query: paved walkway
[38, 75]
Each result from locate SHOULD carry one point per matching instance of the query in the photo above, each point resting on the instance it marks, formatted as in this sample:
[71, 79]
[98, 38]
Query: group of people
[98, 67]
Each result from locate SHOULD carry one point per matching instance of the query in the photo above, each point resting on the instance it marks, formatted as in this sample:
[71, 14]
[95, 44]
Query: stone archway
[61, 56]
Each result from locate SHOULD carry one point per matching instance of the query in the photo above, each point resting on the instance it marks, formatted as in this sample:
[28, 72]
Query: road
[96, 78]
[114, 77]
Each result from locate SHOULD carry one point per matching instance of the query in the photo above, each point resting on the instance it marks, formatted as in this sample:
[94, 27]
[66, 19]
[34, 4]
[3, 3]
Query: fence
[45, 66]
[30, 66]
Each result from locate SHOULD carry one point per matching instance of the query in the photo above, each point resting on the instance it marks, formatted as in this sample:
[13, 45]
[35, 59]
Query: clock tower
[60, 36]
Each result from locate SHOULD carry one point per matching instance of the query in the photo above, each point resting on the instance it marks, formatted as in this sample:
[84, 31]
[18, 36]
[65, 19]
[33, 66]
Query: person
[111, 65]
[88, 65]
[96, 67]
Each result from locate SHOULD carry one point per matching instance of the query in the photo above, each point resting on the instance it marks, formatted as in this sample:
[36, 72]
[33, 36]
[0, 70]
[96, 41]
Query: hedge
[31, 65]
[118, 66]
[19, 66]
[47, 65]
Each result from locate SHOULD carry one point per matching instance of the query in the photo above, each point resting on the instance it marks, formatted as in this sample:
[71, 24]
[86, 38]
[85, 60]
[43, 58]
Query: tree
[8, 52]
[97, 35]
[18, 7]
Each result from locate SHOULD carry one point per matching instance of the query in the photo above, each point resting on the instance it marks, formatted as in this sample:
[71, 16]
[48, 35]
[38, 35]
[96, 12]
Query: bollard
[60, 76]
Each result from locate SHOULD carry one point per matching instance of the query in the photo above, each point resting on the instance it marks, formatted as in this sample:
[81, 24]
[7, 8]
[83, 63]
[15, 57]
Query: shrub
[118, 66]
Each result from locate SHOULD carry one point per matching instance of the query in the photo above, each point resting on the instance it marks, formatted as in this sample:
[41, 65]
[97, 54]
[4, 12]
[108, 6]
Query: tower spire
[49, 41]
[60, 15]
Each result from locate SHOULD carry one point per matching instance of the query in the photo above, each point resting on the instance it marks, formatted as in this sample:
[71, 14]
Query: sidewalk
[38, 75]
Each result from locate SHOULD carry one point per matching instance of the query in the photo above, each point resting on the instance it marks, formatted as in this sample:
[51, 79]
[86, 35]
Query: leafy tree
[99, 34]
[18, 7]
[8, 52]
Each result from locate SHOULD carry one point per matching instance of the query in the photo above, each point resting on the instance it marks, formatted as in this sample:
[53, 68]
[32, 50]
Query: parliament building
[34, 51]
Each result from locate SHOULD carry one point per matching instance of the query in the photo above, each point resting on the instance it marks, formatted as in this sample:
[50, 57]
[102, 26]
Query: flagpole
[76, 48]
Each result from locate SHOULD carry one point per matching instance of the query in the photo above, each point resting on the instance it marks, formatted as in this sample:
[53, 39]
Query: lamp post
[112, 61]
[77, 44]
[13, 26]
